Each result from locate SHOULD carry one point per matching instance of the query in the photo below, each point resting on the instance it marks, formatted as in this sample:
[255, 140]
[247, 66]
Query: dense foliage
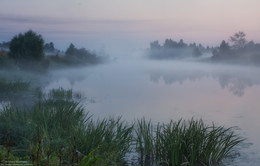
[27, 51]
[175, 50]
[27, 46]
[80, 55]
[49, 47]
[239, 51]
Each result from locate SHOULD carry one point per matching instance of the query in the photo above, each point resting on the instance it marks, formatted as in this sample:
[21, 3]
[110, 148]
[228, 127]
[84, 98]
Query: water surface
[169, 90]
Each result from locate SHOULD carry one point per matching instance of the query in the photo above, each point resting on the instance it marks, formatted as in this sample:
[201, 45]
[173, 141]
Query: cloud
[53, 20]
[30, 19]
[15, 23]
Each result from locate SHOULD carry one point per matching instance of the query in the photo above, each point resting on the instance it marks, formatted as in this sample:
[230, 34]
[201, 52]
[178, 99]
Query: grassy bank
[56, 130]
[62, 134]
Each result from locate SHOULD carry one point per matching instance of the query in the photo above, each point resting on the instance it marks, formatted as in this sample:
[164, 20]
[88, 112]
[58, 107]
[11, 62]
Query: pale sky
[103, 23]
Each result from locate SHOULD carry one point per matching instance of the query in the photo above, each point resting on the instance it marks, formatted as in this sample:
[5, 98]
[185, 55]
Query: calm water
[164, 90]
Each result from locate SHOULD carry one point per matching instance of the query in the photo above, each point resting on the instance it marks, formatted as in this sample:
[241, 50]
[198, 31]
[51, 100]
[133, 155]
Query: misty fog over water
[159, 60]
[134, 87]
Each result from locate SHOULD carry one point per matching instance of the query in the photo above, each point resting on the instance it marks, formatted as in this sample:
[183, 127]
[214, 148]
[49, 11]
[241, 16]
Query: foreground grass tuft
[56, 130]
[184, 143]
[63, 134]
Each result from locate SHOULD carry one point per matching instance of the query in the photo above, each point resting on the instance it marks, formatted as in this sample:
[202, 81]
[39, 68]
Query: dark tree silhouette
[169, 43]
[155, 45]
[181, 44]
[175, 50]
[224, 47]
[238, 40]
[49, 47]
[80, 55]
[70, 50]
[223, 52]
[196, 52]
[27, 46]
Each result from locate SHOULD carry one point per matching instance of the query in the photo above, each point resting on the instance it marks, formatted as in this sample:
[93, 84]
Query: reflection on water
[227, 95]
[234, 81]
[170, 90]
[177, 77]
[235, 84]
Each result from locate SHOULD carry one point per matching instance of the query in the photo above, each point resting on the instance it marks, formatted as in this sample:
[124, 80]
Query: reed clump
[183, 142]
[13, 86]
[51, 134]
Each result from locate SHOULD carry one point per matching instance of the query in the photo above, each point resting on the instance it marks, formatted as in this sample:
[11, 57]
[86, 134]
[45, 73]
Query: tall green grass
[63, 134]
[144, 142]
[13, 86]
[60, 94]
[56, 130]
[188, 143]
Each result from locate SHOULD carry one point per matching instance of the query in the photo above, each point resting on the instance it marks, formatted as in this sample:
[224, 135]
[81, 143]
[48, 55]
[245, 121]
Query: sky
[122, 24]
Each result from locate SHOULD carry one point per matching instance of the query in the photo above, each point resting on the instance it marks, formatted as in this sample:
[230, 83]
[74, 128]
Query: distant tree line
[80, 54]
[28, 51]
[239, 50]
[49, 48]
[175, 50]
[77, 56]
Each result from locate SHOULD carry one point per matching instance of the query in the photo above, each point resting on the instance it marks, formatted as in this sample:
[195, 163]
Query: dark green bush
[27, 46]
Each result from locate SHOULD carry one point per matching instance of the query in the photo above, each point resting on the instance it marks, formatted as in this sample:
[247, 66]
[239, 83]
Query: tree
[181, 44]
[155, 45]
[196, 52]
[169, 43]
[224, 47]
[70, 50]
[49, 47]
[27, 46]
[238, 40]
[80, 55]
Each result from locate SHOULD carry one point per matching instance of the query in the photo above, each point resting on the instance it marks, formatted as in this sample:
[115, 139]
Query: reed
[185, 143]
[60, 94]
[56, 130]
[144, 133]
[49, 133]
[13, 86]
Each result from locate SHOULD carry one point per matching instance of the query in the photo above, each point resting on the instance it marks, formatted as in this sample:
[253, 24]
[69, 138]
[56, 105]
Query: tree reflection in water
[234, 81]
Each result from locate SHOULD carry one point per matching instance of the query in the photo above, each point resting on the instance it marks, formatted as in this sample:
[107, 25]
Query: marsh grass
[15, 92]
[56, 130]
[13, 86]
[185, 143]
[110, 138]
[63, 133]
[60, 94]
[144, 133]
